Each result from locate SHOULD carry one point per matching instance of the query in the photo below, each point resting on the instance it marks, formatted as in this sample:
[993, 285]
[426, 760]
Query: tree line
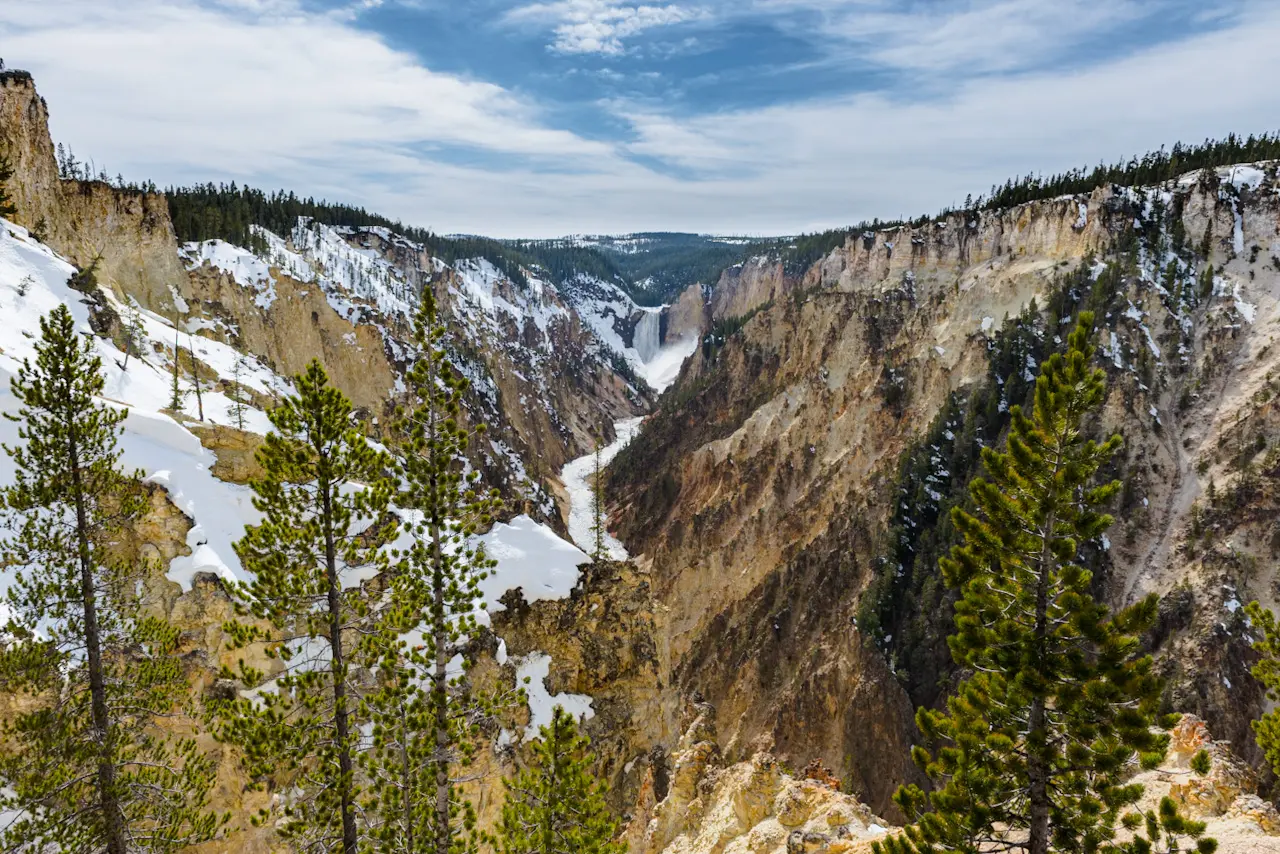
[798, 253]
[229, 212]
[1152, 168]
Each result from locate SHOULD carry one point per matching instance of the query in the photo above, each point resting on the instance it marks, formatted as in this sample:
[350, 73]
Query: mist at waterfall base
[660, 365]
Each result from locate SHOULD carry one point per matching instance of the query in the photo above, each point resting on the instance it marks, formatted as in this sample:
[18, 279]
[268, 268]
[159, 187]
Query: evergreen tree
[7, 209]
[599, 550]
[322, 487]
[238, 407]
[195, 373]
[555, 806]
[84, 769]
[176, 395]
[135, 335]
[1267, 671]
[1038, 739]
[425, 716]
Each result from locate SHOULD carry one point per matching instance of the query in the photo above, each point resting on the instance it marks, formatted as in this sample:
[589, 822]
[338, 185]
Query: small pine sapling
[195, 373]
[238, 406]
[555, 805]
[176, 395]
[599, 550]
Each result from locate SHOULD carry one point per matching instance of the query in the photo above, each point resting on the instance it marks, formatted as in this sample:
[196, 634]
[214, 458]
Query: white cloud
[159, 82]
[599, 26]
[833, 161]
[179, 92]
[991, 35]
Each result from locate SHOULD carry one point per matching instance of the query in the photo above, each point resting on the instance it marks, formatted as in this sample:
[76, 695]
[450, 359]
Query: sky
[539, 118]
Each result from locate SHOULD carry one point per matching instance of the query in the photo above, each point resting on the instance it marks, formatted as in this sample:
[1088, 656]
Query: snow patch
[536, 667]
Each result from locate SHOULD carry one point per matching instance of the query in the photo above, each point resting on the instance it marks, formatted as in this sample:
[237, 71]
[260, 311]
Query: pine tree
[195, 373]
[555, 806]
[176, 395]
[599, 550]
[83, 766]
[135, 334]
[1267, 671]
[425, 716]
[238, 407]
[1036, 742]
[322, 487]
[7, 209]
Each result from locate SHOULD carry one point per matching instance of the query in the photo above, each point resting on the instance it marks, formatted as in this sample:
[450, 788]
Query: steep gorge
[759, 495]
[764, 500]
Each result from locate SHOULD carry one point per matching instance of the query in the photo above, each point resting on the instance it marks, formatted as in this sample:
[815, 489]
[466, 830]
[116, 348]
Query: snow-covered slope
[540, 378]
[33, 280]
[157, 441]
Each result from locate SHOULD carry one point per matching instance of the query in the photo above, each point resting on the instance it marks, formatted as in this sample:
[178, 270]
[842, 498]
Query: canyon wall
[758, 497]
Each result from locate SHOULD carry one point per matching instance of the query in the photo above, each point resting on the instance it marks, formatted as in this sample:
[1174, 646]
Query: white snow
[536, 667]
[532, 557]
[1243, 177]
[528, 555]
[1082, 215]
[1247, 310]
[165, 451]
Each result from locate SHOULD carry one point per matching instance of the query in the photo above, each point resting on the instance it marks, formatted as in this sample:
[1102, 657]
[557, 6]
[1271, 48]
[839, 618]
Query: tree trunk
[439, 689]
[549, 804]
[406, 789]
[112, 817]
[1037, 758]
[1038, 777]
[341, 722]
[195, 372]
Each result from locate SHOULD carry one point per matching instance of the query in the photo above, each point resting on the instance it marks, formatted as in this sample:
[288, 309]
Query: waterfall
[647, 334]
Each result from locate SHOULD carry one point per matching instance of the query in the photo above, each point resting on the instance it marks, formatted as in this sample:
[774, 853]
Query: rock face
[298, 326]
[758, 496]
[128, 234]
[751, 807]
[602, 644]
[1225, 799]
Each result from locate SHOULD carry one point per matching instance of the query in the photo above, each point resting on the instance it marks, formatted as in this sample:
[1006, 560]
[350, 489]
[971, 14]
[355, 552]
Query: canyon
[780, 446]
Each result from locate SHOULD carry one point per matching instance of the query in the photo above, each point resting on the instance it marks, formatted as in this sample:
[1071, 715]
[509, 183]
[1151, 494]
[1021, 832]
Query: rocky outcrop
[689, 315]
[1225, 799]
[125, 235]
[750, 807]
[299, 325]
[602, 644]
[234, 449]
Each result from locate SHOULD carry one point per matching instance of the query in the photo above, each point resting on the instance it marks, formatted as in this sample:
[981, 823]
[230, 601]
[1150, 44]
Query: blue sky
[547, 117]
